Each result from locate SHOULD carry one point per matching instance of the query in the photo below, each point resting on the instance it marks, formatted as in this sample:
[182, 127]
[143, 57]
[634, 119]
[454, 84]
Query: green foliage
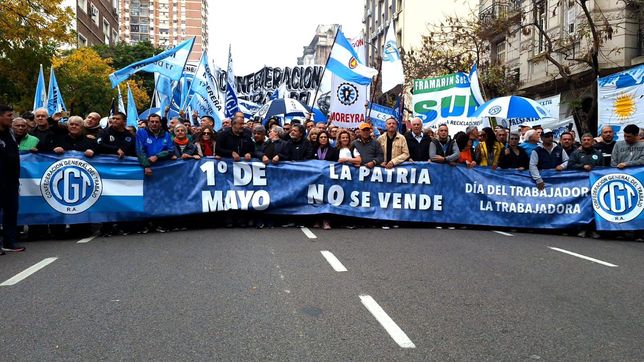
[122, 55]
[19, 73]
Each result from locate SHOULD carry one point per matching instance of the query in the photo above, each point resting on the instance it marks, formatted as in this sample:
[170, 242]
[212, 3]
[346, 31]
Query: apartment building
[94, 21]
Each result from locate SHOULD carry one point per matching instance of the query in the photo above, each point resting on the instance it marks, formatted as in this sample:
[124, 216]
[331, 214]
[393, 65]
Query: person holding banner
[153, 144]
[369, 149]
[26, 142]
[206, 143]
[417, 141]
[92, 125]
[605, 143]
[514, 157]
[183, 148]
[443, 149]
[630, 151]
[323, 150]
[115, 139]
[546, 156]
[235, 142]
[274, 151]
[75, 139]
[43, 131]
[585, 158]
[464, 144]
[298, 148]
[393, 144]
[346, 152]
[489, 149]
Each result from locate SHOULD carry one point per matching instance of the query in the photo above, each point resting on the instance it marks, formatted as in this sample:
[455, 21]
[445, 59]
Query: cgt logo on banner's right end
[618, 198]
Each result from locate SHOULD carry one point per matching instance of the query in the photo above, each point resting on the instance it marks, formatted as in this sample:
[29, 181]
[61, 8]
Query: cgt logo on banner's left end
[71, 186]
[618, 198]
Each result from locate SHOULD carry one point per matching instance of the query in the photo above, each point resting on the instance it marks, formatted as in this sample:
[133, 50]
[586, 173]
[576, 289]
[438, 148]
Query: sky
[274, 32]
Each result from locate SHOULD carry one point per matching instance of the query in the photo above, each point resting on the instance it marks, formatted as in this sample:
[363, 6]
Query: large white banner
[620, 100]
[348, 99]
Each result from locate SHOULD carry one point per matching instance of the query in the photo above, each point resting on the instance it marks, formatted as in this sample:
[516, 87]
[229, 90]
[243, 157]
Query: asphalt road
[245, 294]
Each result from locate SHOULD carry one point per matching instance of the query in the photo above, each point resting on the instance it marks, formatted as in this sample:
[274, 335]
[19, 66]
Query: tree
[83, 77]
[123, 54]
[30, 33]
[575, 49]
[455, 45]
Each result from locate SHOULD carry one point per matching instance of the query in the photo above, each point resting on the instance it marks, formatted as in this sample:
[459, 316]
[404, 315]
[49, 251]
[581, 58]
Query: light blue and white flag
[170, 63]
[132, 113]
[392, 66]
[475, 86]
[620, 100]
[40, 99]
[205, 84]
[344, 62]
[55, 101]
[163, 91]
[121, 105]
[230, 75]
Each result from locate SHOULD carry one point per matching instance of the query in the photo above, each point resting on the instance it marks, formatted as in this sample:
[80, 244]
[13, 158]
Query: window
[115, 36]
[571, 16]
[82, 41]
[542, 16]
[94, 13]
[82, 4]
[106, 28]
[500, 52]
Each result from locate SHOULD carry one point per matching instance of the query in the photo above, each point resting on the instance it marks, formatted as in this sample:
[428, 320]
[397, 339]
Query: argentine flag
[344, 62]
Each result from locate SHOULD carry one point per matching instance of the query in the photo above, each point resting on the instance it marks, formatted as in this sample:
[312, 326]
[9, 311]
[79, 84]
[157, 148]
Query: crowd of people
[157, 139]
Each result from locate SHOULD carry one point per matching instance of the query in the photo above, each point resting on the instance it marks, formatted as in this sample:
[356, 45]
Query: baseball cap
[525, 125]
[364, 125]
[546, 131]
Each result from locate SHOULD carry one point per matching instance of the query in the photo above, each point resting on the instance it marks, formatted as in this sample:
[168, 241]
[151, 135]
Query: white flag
[392, 67]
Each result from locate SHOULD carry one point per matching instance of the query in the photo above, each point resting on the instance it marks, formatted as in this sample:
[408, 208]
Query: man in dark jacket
[605, 143]
[74, 140]
[586, 157]
[43, 131]
[298, 148]
[235, 142]
[9, 176]
[546, 156]
[274, 151]
[115, 139]
[417, 141]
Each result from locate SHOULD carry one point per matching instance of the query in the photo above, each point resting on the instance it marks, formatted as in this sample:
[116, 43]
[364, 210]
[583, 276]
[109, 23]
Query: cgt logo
[71, 186]
[618, 198]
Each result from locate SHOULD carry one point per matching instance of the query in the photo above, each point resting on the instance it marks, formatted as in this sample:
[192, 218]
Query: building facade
[524, 51]
[94, 21]
[165, 23]
[319, 49]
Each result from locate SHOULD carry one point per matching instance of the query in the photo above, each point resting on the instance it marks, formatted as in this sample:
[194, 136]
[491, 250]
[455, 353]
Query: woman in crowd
[323, 150]
[206, 143]
[489, 149]
[514, 157]
[313, 135]
[464, 144]
[346, 153]
[183, 148]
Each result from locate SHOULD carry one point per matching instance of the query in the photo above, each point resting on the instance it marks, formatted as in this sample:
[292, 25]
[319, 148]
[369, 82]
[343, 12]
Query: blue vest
[549, 160]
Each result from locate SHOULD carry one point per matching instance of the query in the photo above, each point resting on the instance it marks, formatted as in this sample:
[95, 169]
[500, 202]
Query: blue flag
[55, 101]
[40, 99]
[170, 63]
[163, 91]
[132, 113]
[232, 106]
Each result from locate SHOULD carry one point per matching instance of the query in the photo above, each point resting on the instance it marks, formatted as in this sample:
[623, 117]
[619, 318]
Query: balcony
[497, 18]
[503, 10]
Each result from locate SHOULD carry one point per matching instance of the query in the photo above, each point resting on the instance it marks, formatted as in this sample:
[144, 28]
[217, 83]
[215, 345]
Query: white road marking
[86, 240]
[502, 233]
[27, 272]
[308, 233]
[335, 263]
[390, 326]
[584, 257]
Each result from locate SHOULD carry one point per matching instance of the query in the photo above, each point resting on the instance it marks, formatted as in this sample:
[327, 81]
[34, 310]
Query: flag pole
[373, 91]
[185, 105]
